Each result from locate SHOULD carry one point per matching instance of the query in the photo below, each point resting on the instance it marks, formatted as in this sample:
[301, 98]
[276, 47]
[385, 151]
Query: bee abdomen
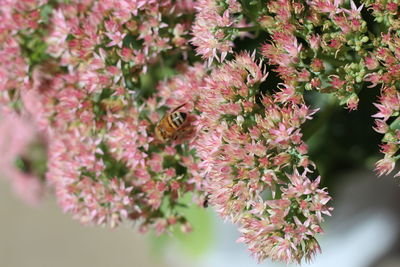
[176, 119]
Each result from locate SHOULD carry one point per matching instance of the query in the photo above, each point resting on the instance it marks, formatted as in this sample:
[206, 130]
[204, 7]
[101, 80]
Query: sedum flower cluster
[336, 47]
[255, 163]
[72, 69]
[84, 85]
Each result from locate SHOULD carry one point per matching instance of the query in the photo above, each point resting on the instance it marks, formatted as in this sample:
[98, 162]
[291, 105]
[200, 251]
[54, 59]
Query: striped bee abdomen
[176, 119]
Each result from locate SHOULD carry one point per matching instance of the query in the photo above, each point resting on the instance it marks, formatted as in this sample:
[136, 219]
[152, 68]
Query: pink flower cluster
[328, 47]
[79, 93]
[251, 156]
[213, 32]
[129, 35]
[310, 46]
[384, 70]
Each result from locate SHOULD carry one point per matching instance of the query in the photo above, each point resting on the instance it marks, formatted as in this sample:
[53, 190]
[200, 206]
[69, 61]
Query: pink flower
[352, 102]
[371, 62]
[116, 38]
[384, 166]
[355, 11]
[373, 78]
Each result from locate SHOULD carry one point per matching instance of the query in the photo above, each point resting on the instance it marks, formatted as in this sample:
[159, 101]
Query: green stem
[395, 124]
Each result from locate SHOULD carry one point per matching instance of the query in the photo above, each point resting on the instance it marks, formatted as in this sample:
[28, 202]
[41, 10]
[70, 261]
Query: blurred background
[363, 232]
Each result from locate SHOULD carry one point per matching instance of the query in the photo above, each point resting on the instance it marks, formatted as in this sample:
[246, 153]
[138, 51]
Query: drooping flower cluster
[389, 107]
[252, 152]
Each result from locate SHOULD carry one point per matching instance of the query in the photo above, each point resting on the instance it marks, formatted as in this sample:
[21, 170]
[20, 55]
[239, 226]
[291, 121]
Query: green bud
[326, 25]
[363, 24]
[389, 137]
[364, 39]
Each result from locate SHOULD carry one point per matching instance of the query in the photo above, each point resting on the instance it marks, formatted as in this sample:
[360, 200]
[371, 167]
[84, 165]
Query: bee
[169, 127]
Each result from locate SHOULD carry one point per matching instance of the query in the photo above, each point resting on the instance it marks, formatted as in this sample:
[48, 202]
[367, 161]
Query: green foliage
[33, 48]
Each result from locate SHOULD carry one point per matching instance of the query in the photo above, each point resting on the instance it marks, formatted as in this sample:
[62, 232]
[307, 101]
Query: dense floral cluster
[319, 47]
[128, 34]
[214, 28]
[384, 65]
[328, 46]
[84, 84]
[251, 153]
[77, 86]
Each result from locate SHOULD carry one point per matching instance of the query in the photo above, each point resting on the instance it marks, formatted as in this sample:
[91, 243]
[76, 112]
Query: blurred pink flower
[16, 135]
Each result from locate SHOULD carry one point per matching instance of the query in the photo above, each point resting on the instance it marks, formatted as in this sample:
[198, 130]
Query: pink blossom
[385, 166]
